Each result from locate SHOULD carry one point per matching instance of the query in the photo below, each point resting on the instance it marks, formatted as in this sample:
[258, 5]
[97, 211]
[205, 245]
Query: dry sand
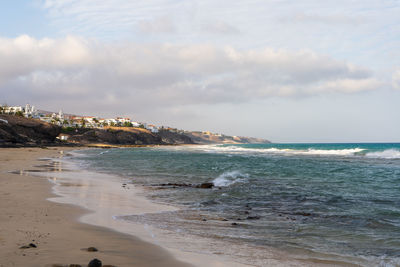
[27, 217]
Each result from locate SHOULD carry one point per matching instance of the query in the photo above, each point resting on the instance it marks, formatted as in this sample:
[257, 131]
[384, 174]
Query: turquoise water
[336, 202]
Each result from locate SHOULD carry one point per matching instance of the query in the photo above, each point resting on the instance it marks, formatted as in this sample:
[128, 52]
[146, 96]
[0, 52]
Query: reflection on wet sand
[51, 166]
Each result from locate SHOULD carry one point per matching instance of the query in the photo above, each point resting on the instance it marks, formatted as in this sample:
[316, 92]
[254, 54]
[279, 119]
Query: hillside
[20, 131]
[125, 136]
[210, 138]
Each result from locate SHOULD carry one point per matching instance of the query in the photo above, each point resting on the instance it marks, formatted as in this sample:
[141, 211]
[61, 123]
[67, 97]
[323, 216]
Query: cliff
[20, 131]
[126, 136]
[210, 138]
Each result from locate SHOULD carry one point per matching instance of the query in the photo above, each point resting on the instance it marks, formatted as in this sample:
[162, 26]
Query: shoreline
[176, 243]
[62, 228]
[106, 196]
[28, 217]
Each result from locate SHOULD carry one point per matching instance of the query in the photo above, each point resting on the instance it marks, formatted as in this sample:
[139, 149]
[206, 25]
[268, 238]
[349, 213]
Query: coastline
[28, 217]
[37, 209]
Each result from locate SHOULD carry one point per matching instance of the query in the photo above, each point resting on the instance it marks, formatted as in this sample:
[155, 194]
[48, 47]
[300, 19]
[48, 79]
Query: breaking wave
[385, 154]
[230, 178]
[286, 151]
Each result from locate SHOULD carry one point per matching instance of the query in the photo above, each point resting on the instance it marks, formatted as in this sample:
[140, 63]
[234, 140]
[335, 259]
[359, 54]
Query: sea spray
[385, 154]
[230, 178]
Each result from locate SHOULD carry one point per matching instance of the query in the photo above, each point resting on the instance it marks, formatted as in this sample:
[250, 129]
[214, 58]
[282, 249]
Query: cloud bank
[74, 69]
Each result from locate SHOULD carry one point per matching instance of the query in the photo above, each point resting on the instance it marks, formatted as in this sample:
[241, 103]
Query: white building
[12, 110]
[152, 128]
[31, 112]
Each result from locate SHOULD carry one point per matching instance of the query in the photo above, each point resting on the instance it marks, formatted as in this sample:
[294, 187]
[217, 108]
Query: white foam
[230, 178]
[273, 150]
[385, 154]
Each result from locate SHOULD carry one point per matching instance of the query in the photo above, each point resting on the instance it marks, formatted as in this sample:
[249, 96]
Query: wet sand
[27, 217]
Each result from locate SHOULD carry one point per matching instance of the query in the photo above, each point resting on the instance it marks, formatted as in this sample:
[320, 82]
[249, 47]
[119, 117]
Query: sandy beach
[27, 217]
[63, 212]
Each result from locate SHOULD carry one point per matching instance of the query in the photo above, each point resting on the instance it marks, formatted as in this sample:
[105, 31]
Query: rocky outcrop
[20, 131]
[115, 136]
[210, 138]
[127, 136]
[169, 137]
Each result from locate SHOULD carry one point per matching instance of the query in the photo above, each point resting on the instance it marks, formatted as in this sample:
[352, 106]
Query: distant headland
[29, 126]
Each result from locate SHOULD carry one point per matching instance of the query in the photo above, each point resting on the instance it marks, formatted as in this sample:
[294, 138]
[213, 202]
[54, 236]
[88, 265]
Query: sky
[287, 71]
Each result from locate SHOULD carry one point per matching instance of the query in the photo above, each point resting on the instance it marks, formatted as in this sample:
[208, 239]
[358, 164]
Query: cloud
[219, 27]
[75, 69]
[158, 25]
[334, 19]
[396, 79]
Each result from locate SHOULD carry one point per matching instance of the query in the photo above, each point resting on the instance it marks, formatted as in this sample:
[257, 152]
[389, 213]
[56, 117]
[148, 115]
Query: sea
[333, 204]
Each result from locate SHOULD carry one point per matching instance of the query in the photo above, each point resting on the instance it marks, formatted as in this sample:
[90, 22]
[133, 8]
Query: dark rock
[75, 265]
[253, 217]
[205, 185]
[107, 265]
[92, 249]
[31, 245]
[20, 131]
[95, 263]
[204, 220]
[175, 185]
[171, 137]
[234, 224]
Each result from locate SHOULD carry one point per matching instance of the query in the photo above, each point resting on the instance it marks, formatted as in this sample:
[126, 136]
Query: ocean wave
[345, 152]
[230, 178]
[282, 151]
[385, 154]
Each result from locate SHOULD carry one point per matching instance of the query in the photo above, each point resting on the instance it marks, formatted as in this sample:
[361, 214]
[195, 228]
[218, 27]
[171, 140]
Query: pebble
[95, 263]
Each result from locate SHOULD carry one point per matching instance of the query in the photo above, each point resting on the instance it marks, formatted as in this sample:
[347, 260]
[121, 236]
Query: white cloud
[219, 27]
[335, 19]
[396, 79]
[158, 25]
[169, 74]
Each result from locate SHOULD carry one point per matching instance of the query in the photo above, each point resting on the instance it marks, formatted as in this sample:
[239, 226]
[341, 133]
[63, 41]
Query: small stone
[204, 220]
[31, 245]
[234, 224]
[92, 249]
[75, 265]
[206, 185]
[95, 263]
[253, 217]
